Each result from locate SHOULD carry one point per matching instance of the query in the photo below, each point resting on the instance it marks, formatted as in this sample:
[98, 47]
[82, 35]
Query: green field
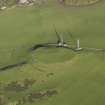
[78, 77]
[80, 2]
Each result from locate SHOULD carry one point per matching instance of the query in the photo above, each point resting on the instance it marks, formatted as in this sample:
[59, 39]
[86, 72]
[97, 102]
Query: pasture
[78, 78]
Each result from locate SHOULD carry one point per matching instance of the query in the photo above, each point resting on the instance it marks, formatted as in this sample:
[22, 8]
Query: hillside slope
[58, 76]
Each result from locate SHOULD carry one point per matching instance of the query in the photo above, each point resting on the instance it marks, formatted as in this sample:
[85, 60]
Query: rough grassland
[78, 77]
[81, 2]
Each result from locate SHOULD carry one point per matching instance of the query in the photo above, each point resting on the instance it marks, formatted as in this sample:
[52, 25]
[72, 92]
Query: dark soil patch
[39, 95]
[50, 74]
[19, 85]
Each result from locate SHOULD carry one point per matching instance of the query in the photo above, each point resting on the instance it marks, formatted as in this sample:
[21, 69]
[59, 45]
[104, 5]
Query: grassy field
[81, 2]
[78, 77]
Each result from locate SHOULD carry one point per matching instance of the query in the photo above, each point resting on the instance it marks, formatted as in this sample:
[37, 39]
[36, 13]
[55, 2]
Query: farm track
[34, 48]
[48, 45]
[13, 65]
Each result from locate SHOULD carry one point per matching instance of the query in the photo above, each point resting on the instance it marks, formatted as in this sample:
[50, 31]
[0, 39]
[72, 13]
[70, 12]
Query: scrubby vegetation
[7, 2]
[66, 2]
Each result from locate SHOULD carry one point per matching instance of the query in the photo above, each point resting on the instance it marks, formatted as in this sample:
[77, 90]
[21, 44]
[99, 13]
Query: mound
[79, 2]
